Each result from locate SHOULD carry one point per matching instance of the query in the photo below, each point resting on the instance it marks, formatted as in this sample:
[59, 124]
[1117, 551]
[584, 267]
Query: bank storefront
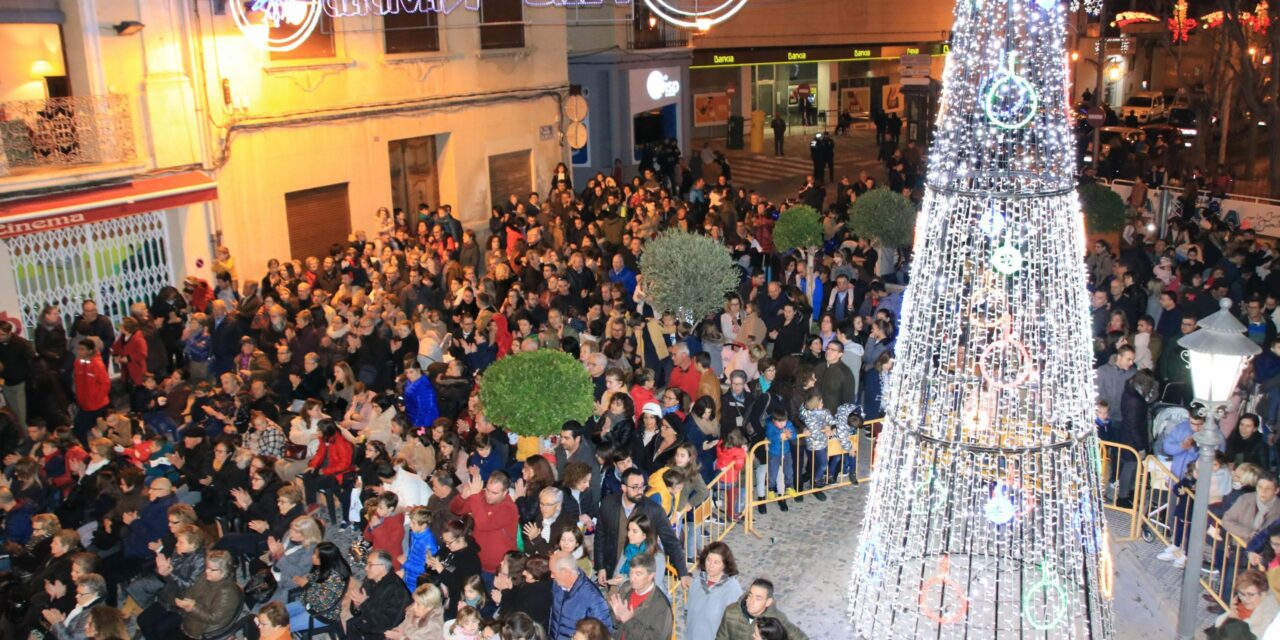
[804, 84]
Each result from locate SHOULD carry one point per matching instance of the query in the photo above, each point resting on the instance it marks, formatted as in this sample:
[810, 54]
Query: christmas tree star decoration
[984, 517]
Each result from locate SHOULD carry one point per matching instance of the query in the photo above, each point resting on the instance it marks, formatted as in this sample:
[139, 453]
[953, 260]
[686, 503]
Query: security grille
[115, 262]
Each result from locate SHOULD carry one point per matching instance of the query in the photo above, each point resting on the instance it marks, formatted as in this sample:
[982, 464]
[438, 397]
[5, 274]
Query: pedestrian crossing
[753, 169]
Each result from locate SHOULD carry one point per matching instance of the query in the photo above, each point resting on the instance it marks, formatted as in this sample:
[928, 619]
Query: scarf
[631, 551]
[709, 427]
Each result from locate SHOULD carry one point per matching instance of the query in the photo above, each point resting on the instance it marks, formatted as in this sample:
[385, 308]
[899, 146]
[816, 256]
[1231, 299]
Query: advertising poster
[710, 109]
[856, 100]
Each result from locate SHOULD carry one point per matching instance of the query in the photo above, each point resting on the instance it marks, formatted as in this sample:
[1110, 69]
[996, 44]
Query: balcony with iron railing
[65, 134]
[644, 34]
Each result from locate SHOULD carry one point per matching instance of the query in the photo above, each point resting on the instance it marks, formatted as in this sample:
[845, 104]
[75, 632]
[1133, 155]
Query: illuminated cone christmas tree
[984, 518]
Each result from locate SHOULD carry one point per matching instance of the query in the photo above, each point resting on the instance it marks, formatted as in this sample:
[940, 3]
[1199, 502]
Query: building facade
[812, 59]
[135, 137]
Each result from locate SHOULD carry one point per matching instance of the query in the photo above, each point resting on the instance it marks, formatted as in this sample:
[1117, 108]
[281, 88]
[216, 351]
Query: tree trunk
[1251, 147]
[1273, 133]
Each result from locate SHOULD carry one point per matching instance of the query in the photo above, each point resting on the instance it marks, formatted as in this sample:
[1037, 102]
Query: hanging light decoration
[1180, 25]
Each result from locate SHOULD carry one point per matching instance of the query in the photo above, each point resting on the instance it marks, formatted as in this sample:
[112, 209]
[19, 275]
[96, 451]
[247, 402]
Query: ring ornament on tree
[1049, 591]
[942, 582]
[1010, 100]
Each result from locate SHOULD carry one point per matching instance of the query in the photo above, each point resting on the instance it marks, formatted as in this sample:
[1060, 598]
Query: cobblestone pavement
[808, 553]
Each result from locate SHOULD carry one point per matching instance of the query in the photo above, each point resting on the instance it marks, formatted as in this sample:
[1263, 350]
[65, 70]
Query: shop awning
[45, 213]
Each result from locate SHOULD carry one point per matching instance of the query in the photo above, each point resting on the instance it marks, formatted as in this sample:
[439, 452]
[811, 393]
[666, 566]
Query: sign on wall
[856, 100]
[710, 109]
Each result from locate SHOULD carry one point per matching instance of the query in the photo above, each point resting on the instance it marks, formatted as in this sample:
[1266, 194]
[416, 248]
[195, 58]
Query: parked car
[1172, 135]
[1146, 106]
[1185, 120]
[1110, 137]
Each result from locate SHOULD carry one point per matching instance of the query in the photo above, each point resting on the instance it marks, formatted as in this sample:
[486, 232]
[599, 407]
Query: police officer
[828, 148]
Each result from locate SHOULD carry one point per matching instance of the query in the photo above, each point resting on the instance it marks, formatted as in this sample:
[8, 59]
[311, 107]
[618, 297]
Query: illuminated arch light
[305, 14]
[699, 19]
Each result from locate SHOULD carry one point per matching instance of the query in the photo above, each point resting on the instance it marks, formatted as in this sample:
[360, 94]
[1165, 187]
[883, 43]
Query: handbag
[260, 587]
[295, 451]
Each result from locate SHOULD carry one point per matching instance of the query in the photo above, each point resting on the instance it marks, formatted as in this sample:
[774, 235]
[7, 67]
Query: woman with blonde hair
[424, 619]
[291, 558]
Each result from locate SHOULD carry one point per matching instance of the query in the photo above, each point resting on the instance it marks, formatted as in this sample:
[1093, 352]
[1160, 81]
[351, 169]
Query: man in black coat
[91, 323]
[611, 528]
[379, 605]
[17, 357]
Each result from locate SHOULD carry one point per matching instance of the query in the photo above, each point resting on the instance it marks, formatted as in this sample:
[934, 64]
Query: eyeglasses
[1248, 594]
[635, 487]
[549, 504]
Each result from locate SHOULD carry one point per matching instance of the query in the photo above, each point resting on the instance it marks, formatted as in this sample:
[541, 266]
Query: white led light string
[985, 517]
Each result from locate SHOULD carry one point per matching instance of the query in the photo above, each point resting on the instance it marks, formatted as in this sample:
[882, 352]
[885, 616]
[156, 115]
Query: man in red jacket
[495, 517]
[93, 387]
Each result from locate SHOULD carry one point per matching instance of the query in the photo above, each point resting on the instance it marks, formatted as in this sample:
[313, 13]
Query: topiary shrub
[884, 215]
[535, 392]
[1104, 209]
[799, 227]
[687, 274]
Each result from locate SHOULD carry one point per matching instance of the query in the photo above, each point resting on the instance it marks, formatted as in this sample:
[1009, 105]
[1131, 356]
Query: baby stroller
[1159, 479]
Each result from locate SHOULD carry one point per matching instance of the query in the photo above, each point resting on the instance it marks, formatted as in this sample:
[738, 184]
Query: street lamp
[1216, 353]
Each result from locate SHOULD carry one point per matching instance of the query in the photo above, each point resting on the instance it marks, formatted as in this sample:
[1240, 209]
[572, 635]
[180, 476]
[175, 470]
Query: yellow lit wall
[23, 45]
[289, 151]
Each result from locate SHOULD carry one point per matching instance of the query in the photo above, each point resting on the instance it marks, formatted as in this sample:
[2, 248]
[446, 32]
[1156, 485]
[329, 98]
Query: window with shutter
[502, 24]
[317, 218]
[509, 173]
[411, 32]
[320, 44]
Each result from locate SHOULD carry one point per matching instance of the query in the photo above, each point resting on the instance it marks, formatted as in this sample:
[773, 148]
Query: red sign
[803, 90]
[1097, 117]
[731, 88]
[47, 213]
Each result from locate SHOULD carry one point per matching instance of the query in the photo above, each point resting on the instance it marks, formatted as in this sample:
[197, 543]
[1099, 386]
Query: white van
[1147, 106]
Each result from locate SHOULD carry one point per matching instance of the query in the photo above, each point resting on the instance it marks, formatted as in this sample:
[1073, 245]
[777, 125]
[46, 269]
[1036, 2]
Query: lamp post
[1216, 353]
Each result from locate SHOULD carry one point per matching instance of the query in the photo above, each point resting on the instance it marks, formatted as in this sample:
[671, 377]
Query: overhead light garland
[985, 518]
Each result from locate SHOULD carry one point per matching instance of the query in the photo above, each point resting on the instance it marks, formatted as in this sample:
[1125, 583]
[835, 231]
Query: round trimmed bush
[535, 392]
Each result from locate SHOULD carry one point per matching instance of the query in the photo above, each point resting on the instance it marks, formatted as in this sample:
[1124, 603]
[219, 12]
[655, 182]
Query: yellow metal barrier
[709, 522]
[1165, 514]
[805, 469]
[1121, 465]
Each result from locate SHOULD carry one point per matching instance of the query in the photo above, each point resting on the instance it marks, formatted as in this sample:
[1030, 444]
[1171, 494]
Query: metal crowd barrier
[1165, 516]
[766, 475]
[709, 522]
[1121, 467]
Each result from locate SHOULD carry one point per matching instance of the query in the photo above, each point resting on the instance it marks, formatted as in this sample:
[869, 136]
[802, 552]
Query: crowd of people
[1145, 297]
[279, 453]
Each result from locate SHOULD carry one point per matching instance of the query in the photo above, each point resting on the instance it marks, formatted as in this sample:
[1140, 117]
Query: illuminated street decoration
[1126, 18]
[1180, 25]
[356, 8]
[985, 510]
[257, 18]
[1259, 20]
[695, 14]
[294, 20]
